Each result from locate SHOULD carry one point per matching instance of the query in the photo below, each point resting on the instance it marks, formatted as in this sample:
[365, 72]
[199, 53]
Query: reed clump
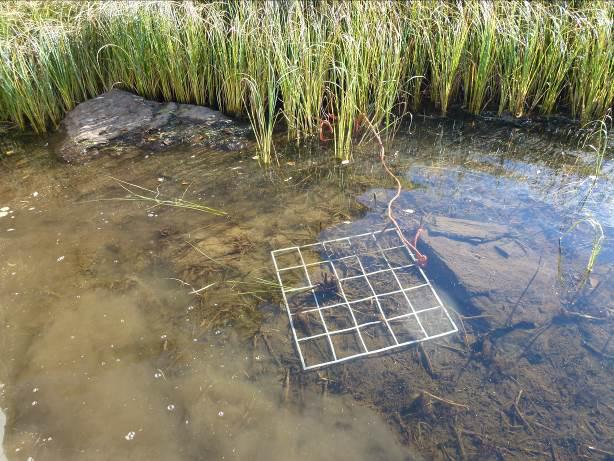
[313, 65]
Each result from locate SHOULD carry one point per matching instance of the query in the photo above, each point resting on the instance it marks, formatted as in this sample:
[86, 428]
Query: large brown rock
[118, 120]
[500, 276]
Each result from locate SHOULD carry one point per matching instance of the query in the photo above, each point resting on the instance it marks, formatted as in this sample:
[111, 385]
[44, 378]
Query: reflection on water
[133, 332]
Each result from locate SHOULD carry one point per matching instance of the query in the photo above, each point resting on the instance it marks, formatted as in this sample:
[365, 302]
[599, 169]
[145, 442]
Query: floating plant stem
[154, 197]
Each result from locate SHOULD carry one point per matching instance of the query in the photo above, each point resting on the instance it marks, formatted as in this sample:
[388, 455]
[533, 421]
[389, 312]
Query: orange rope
[328, 123]
[421, 259]
[325, 123]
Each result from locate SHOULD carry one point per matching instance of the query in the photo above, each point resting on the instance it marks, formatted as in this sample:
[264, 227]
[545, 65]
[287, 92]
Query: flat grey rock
[118, 120]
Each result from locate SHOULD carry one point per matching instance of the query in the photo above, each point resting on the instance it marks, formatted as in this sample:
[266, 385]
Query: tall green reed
[520, 48]
[446, 44]
[303, 60]
[261, 91]
[415, 21]
[592, 88]
[558, 58]
[480, 56]
[309, 61]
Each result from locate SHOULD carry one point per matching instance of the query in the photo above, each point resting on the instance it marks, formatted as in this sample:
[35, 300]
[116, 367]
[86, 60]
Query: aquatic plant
[596, 139]
[261, 101]
[520, 56]
[314, 65]
[136, 193]
[446, 45]
[591, 89]
[558, 58]
[415, 27]
[302, 61]
[596, 246]
[480, 58]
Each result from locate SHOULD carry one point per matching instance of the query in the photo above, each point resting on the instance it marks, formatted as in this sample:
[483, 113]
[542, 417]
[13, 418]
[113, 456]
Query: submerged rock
[118, 120]
[506, 281]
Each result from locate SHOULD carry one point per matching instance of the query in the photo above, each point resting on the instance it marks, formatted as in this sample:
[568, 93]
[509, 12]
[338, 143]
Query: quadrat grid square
[356, 296]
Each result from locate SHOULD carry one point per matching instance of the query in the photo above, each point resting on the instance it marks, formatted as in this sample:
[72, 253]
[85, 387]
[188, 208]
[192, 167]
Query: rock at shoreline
[118, 120]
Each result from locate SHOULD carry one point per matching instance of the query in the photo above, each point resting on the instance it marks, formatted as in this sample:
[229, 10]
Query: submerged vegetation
[136, 193]
[315, 65]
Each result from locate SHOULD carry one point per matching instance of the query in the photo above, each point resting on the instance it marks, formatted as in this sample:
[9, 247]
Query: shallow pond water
[139, 332]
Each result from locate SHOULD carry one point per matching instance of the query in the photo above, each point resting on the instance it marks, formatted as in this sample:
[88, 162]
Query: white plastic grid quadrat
[356, 296]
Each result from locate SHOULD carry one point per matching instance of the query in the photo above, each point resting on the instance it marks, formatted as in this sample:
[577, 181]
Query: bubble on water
[157, 375]
[34, 403]
[35, 389]
[34, 194]
[130, 435]
[3, 214]
[220, 413]
[61, 258]
[170, 407]
[4, 208]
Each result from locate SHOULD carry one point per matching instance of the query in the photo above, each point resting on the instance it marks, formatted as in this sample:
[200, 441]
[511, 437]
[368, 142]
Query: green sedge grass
[304, 62]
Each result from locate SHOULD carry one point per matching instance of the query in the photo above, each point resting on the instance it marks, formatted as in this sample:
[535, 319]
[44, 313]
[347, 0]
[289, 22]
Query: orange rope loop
[325, 123]
[421, 259]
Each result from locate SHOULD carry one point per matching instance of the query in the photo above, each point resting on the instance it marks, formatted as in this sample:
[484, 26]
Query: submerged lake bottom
[136, 331]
